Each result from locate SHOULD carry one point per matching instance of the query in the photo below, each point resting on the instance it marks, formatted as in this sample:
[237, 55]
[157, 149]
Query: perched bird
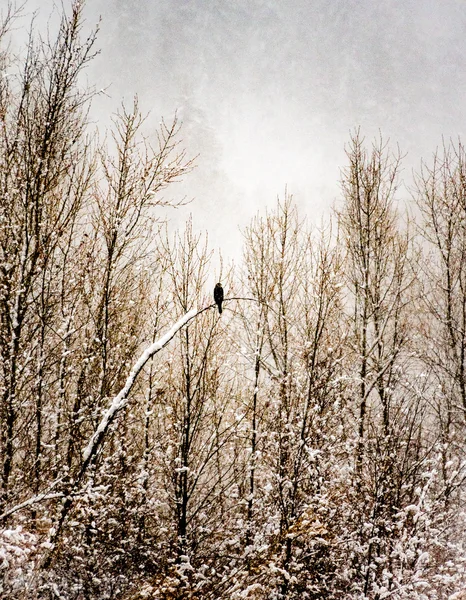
[218, 296]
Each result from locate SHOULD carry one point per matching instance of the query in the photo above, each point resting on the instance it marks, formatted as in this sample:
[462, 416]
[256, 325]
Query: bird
[218, 296]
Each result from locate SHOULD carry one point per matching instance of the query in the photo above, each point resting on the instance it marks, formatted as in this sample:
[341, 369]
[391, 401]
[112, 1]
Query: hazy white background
[269, 90]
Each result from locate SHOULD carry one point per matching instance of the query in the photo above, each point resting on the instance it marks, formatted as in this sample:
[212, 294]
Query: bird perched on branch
[218, 296]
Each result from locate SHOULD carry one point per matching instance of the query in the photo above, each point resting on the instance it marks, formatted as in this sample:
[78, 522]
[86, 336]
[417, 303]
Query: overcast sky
[269, 90]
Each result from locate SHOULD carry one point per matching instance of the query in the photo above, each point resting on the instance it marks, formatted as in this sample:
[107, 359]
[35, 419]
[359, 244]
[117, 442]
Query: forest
[308, 443]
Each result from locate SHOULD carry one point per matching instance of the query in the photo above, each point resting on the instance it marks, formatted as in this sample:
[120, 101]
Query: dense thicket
[307, 444]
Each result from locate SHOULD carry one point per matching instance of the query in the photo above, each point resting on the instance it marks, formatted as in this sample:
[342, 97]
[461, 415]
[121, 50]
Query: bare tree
[380, 281]
[43, 119]
[294, 275]
[441, 199]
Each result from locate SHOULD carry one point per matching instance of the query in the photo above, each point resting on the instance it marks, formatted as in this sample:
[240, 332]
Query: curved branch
[120, 401]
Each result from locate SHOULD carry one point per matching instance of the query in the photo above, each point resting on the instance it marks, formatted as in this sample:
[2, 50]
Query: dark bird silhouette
[218, 296]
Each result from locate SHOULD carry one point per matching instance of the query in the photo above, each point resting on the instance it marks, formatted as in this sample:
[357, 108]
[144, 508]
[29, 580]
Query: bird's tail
[220, 308]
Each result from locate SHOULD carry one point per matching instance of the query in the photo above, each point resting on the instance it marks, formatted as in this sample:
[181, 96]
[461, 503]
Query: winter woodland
[309, 443]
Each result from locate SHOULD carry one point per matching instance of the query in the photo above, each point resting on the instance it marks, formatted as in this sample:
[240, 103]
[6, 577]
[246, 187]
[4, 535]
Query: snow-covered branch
[47, 495]
[29, 502]
[121, 399]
